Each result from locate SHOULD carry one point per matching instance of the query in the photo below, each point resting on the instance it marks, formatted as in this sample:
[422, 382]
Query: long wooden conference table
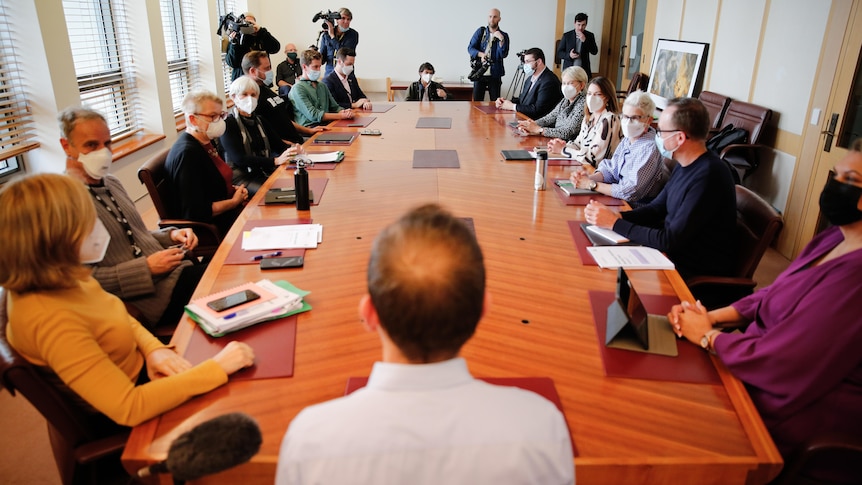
[626, 431]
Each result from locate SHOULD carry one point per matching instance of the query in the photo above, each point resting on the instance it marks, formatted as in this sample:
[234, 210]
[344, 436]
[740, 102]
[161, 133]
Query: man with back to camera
[489, 42]
[422, 418]
[577, 44]
[542, 88]
[312, 102]
[143, 268]
[337, 37]
[240, 45]
[342, 82]
[693, 218]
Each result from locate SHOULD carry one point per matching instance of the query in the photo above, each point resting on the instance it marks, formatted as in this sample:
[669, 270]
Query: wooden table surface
[540, 322]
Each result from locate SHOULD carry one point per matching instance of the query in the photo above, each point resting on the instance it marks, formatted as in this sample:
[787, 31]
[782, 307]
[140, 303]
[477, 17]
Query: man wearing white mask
[693, 218]
[426, 89]
[636, 173]
[144, 268]
[342, 82]
[313, 104]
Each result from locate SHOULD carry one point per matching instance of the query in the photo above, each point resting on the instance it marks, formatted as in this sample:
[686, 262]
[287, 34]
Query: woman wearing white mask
[600, 131]
[636, 172]
[201, 181]
[565, 120]
[426, 89]
[60, 318]
[252, 146]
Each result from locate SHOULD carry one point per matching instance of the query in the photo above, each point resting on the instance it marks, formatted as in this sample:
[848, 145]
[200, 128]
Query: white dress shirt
[428, 424]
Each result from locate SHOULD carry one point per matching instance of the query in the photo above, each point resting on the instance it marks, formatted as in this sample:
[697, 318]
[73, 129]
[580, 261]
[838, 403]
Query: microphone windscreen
[214, 445]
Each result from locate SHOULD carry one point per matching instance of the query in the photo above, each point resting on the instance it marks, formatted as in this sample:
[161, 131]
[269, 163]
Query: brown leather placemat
[357, 122]
[435, 159]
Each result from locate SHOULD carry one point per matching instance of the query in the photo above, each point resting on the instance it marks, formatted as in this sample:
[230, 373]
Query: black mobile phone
[233, 300]
[285, 262]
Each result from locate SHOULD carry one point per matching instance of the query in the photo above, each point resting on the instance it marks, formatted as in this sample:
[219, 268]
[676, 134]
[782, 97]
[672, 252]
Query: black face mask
[839, 202]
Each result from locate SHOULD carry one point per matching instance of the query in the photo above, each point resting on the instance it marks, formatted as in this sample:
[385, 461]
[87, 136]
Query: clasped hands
[691, 321]
[529, 127]
[164, 362]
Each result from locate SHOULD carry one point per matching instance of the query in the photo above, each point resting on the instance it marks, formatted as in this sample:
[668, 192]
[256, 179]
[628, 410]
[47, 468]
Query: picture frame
[678, 68]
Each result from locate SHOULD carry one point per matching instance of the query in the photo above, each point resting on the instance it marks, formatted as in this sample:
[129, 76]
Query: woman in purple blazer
[799, 355]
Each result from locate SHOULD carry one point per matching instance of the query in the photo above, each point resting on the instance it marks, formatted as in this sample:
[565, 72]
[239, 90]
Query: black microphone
[210, 447]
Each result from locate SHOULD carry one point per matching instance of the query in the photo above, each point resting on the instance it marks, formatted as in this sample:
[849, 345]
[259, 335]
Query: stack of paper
[327, 157]
[629, 257]
[276, 300]
[304, 236]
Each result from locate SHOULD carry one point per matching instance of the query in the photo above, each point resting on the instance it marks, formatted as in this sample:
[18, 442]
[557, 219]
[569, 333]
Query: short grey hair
[70, 116]
[241, 85]
[642, 101]
[194, 101]
[577, 73]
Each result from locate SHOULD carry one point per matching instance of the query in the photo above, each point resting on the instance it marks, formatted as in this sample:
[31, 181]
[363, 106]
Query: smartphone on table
[233, 300]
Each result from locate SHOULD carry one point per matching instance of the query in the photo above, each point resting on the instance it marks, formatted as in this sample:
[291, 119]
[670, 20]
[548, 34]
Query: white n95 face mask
[216, 129]
[97, 162]
[346, 70]
[595, 103]
[632, 129]
[426, 78]
[95, 245]
[247, 104]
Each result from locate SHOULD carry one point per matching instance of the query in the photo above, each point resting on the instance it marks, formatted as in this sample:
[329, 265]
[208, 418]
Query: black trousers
[487, 83]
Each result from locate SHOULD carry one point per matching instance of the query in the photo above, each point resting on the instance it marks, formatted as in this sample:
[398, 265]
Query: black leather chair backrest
[716, 104]
[757, 225]
[751, 117]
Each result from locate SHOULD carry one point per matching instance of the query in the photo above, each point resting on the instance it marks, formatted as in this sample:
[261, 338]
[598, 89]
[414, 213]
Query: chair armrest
[95, 450]
[721, 281]
[202, 229]
[738, 147]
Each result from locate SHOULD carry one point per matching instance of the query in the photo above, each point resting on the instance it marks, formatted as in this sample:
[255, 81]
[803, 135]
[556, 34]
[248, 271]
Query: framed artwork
[677, 70]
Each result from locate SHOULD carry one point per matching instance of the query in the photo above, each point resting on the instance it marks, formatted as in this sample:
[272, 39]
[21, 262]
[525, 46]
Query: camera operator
[489, 44]
[336, 38]
[240, 45]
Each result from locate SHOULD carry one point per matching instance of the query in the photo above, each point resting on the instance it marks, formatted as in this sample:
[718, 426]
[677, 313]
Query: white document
[629, 257]
[327, 157]
[305, 236]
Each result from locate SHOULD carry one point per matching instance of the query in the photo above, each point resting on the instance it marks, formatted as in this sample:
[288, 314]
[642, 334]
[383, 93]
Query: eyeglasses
[213, 117]
[630, 118]
[659, 132]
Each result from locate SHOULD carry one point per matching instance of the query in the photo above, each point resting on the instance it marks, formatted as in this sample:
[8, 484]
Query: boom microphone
[210, 447]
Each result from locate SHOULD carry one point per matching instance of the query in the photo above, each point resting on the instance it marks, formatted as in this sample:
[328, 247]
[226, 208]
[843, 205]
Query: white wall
[395, 36]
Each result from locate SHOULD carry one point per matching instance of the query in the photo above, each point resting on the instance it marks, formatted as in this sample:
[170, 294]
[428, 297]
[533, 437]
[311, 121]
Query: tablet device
[630, 327]
[516, 155]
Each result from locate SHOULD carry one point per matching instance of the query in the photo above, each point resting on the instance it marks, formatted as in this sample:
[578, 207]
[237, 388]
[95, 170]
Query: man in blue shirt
[493, 43]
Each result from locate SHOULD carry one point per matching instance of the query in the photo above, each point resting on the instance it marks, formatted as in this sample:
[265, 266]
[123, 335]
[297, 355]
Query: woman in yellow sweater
[59, 316]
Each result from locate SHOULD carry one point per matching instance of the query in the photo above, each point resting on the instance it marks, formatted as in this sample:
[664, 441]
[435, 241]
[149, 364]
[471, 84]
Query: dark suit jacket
[339, 93]
[414, 92]
[584, 49]
[542, 98]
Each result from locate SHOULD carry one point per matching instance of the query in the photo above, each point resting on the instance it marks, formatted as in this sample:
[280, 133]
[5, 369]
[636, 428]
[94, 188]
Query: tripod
[516, 83]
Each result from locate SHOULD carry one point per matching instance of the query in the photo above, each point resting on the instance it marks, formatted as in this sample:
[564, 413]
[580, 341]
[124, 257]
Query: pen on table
[270, 255]
[228, 317]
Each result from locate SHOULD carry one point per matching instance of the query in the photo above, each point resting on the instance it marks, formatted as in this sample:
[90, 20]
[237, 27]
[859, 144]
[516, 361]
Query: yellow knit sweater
[85, 335]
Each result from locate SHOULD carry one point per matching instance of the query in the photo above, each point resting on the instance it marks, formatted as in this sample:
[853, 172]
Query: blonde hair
[576, 73]
[46, 218]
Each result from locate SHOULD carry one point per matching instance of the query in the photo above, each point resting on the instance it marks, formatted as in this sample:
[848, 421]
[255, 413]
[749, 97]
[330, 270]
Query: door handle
[623, 56]
[830, 132]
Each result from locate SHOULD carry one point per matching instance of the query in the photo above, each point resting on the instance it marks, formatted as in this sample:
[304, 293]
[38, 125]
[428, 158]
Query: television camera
[232, 23]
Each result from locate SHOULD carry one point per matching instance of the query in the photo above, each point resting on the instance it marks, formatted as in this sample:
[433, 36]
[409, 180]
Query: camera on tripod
[478, 67]
[327, 15]
[232, 23]
[521, 55]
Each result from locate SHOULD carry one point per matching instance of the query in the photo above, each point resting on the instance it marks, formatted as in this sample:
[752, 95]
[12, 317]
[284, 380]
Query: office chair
[153, 175]
[639, 81]
[757, 225]
[716, 104]
[838, 453]
[744, 157]
[83, 442]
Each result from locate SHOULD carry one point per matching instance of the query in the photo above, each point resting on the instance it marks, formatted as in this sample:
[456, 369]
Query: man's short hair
[691, 117]
[536, 53]
[194, 101]
[426, 278]
[345, 52]
[581, 17]
[308, 56]
[252, 59]
[426, 66]
[642, 101]
[70, 117]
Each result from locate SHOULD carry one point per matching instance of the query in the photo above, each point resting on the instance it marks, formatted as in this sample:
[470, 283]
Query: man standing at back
[577, 44]
[693, 219]
[489, 44]
[422, 418]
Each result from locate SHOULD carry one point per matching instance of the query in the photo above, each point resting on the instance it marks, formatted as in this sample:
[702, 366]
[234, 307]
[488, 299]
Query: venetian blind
[16, 122]
[100, 41]
[181, 47]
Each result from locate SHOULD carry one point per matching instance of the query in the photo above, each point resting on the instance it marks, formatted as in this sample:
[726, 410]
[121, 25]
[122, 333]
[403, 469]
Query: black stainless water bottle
[300, 181]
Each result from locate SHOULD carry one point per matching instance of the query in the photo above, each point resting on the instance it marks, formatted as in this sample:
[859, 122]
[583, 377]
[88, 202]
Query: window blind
[16, 122]
[100, 41]
[225, 7]
[181, 46]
